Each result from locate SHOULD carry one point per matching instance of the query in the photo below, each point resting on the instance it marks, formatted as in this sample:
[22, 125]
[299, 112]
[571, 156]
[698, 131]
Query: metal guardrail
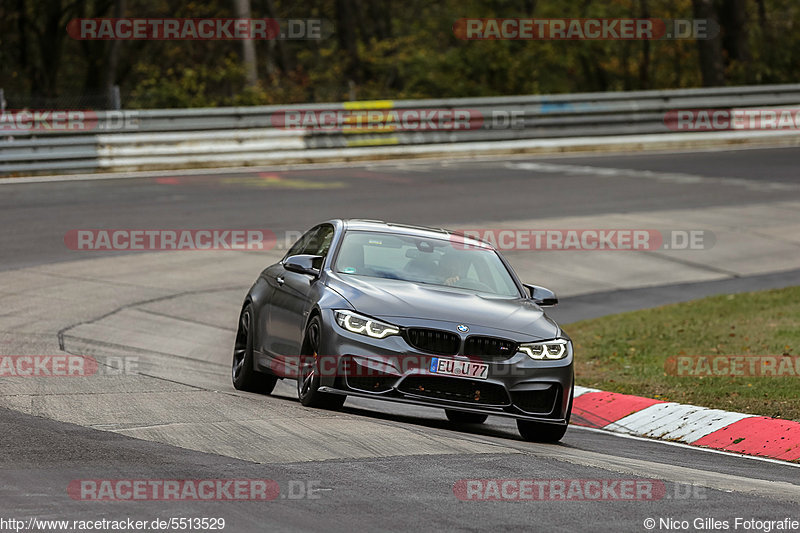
[180, 138]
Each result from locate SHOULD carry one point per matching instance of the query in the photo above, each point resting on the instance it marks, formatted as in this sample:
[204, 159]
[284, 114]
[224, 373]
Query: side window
[320, 242]
[298, 247]
[316, 241]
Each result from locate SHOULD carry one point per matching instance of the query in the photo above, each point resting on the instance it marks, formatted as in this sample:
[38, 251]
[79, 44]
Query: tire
[461, 417]
[542, 432]
[243, 375]
[308, 380]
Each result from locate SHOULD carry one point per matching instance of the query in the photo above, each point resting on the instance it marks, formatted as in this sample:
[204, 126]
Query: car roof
[362, 224]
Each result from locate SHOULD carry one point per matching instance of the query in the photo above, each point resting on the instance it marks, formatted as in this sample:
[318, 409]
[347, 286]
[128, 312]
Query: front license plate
[467, 369]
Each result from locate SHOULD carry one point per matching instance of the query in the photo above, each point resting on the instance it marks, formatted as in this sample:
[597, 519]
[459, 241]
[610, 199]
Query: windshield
[424, 260]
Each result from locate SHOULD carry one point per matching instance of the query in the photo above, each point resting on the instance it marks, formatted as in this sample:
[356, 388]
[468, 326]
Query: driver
[451, 269]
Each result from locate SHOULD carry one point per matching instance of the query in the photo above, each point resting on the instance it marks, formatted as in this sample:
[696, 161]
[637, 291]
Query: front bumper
[392, 369]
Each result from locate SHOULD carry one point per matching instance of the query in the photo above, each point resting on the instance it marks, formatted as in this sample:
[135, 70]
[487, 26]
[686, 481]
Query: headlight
[364, 325]
[556, 349]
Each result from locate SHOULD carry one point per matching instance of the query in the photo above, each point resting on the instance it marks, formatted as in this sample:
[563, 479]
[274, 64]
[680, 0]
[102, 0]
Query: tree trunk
[112, 55]
[284, 60]
[709, 50]
[733, 17]
[345, 15]
[242, 8]
[644, 64]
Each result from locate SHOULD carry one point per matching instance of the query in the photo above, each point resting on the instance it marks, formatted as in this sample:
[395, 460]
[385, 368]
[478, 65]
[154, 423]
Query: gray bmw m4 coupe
[408, 314]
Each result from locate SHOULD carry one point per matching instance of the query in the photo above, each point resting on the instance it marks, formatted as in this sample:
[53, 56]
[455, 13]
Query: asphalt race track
[373, 466]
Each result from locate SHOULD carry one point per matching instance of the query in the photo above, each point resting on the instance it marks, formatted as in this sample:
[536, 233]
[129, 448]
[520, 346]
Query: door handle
[280, 280]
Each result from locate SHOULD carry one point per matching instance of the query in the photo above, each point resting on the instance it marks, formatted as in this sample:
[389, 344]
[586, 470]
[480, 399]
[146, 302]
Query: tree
[242, 8]
[709, 50]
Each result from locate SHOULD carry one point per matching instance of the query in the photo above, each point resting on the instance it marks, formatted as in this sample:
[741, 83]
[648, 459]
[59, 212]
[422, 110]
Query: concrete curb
[690, 424]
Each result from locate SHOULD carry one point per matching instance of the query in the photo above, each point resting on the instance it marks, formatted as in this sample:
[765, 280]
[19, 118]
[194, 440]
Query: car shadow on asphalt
[443, 424]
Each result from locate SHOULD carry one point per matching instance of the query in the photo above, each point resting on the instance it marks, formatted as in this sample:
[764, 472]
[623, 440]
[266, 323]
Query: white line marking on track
[672, 177]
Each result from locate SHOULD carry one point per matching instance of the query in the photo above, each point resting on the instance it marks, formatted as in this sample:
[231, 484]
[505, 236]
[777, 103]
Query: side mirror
[304, 264]
[541, 296]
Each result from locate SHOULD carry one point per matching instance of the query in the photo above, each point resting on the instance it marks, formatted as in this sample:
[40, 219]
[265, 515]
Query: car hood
[387, 298]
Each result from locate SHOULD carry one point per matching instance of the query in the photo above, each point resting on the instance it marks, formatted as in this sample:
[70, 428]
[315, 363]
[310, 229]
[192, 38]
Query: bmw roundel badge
[463, 328]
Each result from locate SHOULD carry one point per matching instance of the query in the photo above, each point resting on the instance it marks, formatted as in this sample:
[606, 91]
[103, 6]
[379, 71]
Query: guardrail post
[115, 100]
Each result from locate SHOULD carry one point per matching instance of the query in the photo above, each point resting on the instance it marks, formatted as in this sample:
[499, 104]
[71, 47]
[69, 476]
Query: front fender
[327, 301]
